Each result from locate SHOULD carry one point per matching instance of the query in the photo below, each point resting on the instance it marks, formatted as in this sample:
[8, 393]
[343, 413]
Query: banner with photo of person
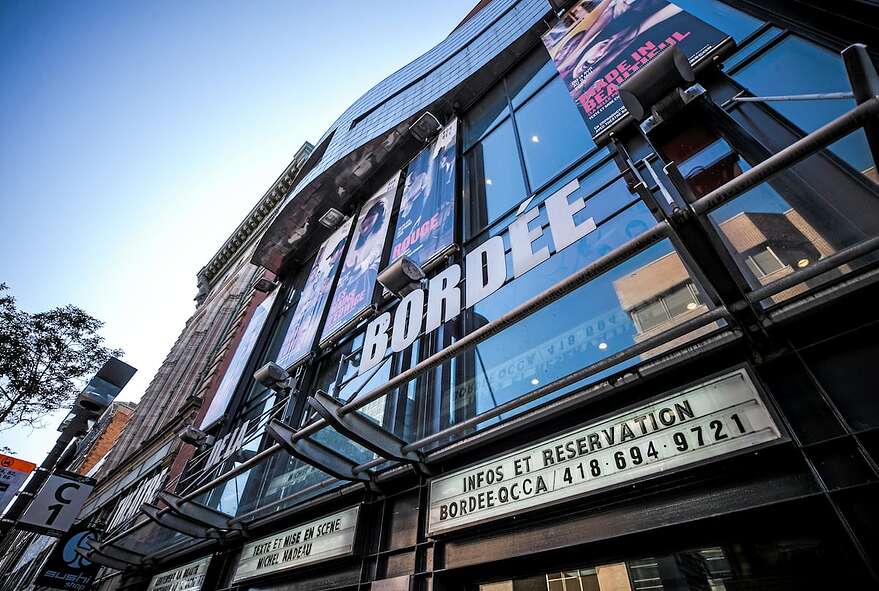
[598, 44]
[426, 222]
[221, 399]
[356, 283]
[299, 339]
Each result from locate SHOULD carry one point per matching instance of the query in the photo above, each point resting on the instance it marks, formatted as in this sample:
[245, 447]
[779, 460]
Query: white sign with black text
[57, 505]
[702, 422]
[328, 537]
[189, 577]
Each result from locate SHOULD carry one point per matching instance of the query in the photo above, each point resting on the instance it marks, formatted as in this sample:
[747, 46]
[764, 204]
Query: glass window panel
[797, 66]
[720, 15]
[680, 301]
[582, 328]
[552, 133]
[494, 176]
[770, 236]
[651, 315]
[530, 75]
[485, 114]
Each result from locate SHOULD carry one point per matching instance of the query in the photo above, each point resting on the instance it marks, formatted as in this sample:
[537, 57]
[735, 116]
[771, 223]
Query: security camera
[273, 376]
[402, 277]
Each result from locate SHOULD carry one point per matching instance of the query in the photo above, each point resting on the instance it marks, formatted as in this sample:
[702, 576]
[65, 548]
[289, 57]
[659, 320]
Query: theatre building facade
[584, 298]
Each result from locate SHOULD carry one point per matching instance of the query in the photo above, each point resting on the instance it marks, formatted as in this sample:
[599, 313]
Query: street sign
[65, 568]
[13, 473]
[57, 505]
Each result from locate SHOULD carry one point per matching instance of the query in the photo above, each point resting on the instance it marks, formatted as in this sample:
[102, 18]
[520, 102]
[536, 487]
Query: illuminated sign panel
[329, 537]
[707, 421]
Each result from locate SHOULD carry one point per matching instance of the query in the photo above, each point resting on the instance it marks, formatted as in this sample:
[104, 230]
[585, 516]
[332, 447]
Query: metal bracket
[117, 553]
[179, 524]
[103, 560]
[199, 514]
[317, 454]
[363, 431]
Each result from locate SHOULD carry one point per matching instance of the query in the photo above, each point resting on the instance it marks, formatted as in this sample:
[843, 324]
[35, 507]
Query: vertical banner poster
[65, 568]
[13, 473]
[426, 222]
[597, 45]
[303, 328]
[230, 380]
[357, 279]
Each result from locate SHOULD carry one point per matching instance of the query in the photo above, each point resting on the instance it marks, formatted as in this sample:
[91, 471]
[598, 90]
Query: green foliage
[41, 358]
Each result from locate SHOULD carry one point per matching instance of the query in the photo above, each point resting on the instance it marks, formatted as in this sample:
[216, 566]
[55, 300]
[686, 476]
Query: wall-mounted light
[273, 376]
[402, 277]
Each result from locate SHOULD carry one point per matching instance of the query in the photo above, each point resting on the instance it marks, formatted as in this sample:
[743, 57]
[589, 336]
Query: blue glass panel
[495, 175]
[530, 75]
[731, 21]
[552, 133]
[797, 66]
[485, 114]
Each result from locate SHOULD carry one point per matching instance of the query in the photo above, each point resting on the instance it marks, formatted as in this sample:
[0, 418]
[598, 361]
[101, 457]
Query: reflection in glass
[731, 21]
[494, 175]
[797, 66]
[552, 133]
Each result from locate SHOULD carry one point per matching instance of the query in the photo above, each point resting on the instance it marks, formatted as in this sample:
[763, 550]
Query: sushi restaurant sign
[707, 421]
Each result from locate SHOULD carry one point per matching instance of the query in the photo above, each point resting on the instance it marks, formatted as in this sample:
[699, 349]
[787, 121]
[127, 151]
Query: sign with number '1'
[712, 419]
[58, 504]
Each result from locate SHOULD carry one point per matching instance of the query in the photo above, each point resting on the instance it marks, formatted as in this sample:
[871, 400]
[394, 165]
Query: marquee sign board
[189, 577]
[707, 421]
[322, 539]
[57, 505]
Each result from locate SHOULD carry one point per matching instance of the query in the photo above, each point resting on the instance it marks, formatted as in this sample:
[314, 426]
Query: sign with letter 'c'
[57, 505]
[716, 418]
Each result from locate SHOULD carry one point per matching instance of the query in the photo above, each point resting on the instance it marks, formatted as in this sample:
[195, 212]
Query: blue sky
[135, 136]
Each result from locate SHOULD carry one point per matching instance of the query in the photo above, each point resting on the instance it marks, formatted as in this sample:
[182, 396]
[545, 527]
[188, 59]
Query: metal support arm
[316, 454]
[365, 432]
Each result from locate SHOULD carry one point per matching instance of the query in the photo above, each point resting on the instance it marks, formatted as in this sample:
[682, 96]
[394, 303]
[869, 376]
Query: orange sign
[11, 463]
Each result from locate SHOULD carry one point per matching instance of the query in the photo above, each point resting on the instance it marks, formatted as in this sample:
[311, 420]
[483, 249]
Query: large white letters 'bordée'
[486, 272]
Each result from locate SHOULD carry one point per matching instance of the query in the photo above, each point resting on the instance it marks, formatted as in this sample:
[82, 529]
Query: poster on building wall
[598, 44]
[716, 418]
[357, 279]
[299, 339]
[236, 366]
[426, 222]
[13, 473]
[65, 568]
[189, 577]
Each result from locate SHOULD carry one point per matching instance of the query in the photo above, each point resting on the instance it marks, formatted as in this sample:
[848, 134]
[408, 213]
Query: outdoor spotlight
[425, 127]
[272, 376]
[192, 436]
[657, 87]
[265, 285]
[332, 218]
[402, 277]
